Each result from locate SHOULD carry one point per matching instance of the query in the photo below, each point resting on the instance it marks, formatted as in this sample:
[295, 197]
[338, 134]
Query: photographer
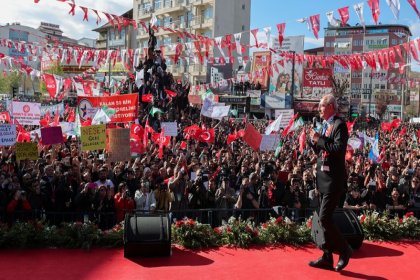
[197, 192]
[247, 200]
[123, 202]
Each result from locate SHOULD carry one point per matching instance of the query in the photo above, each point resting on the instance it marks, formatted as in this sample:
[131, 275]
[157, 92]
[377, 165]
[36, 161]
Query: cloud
[415, 29]
[54, 12]
[313, 42]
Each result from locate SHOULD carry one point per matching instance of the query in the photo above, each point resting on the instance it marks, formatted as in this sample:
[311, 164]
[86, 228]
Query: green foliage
[10, 81]
[194, 235]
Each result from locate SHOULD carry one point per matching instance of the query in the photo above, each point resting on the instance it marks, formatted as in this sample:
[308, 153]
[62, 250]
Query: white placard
[26, 113]
[7, 134]
[171, 128]
[287, 116]
[269, 142]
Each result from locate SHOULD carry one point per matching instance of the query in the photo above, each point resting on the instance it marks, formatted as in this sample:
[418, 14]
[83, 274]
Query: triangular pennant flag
[414, 5]
[315, 24]
[374, 6]
[358, 8]
[332, 20]
[344, 15]
[394, 5]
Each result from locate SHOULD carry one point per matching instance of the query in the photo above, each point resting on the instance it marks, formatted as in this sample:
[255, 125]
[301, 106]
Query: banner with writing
[52, 109]
[171, 128]
[93, 137]
[26, 113]
[119, 144]
[125, 106]
[7, 134]
[26, 151]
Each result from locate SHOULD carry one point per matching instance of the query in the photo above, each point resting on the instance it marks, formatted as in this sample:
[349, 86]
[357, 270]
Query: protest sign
[26, 151]
[7, 134]
[119, 144]
[93, 137]
[52, 135]
[269, 142]
[171, 128]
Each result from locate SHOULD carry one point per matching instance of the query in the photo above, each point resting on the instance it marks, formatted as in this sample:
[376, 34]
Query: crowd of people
[195, 174]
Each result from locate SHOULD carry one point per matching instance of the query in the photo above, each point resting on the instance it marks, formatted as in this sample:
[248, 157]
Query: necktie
[324, 128]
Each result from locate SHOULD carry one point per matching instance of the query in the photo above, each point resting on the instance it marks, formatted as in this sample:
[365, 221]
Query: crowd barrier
[214, 216]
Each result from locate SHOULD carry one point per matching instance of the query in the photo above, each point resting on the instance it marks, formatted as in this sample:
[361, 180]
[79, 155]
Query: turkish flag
[147, 98]
[158, 139]
[170, 93]
[51, 84]
[22, 134]
[56, 121]
[403, 131]
[344, 14]
[87, 122]
[414, 5]
[136, 145]
[45, 121]
[207, 135]
[71, 117]
[192, 131]
[5, 116]
[136, 130]
[350, 126]
[387, 127]
[395, 123]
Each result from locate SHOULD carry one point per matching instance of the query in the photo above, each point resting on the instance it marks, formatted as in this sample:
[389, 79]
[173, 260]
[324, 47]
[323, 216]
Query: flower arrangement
[194, 235]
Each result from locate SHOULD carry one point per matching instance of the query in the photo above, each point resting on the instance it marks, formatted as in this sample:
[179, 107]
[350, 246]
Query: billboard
[316, 83]
[261, 63]
[218, 77]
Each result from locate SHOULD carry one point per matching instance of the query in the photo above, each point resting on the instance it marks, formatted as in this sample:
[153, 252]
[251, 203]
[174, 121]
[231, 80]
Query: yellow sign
[26, 151]
[93, 137]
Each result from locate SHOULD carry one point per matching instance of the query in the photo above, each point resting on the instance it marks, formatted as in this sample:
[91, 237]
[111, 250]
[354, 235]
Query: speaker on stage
[147, 235]
[348, 224]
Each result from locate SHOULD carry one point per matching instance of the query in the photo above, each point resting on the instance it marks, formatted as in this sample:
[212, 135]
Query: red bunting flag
[374, 6]
[280, 28]
[344, 14]
[414, 5]
[315, 24]
[85, 13]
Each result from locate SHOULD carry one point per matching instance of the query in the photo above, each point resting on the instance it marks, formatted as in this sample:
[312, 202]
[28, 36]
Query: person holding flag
[330, 145]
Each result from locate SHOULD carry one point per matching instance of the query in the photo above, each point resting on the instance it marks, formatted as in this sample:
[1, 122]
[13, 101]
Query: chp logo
[86, 109]
[26, 109]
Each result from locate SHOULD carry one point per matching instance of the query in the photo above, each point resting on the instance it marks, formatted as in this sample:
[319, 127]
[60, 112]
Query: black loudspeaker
[348, 224]
[147, 235]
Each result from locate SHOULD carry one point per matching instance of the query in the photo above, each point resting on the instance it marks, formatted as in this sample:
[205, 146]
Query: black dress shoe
[322, 263]
[343, 261]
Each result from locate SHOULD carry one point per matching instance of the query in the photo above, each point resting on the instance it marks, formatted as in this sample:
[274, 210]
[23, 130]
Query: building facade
[367, 87]
[210, 18]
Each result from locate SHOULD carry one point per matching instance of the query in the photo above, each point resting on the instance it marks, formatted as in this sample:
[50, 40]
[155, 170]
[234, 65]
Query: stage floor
[373, 261]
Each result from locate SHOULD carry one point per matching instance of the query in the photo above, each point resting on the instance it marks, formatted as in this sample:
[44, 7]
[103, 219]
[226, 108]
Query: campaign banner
[317, 78]
[26, 113]
[93, 137]
[119, 144]
[26, 151]
[171, 128]
[52, 135]
[275, 100]
[126, 107]
[316, 83]
[52, 109]
[260, 63]
[7, 134]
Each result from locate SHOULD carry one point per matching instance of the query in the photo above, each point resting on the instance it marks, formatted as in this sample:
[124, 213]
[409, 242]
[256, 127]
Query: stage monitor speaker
[348, 224]
[147, 235]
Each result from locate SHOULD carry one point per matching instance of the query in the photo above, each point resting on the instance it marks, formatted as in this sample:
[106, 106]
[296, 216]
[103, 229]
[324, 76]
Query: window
[243, 6]
[157, 4]
[167, 21]
[243, 28]
[167, 41]
[208, 13]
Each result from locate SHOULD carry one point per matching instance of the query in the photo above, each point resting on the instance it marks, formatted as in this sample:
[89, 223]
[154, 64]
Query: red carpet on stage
[372, 261]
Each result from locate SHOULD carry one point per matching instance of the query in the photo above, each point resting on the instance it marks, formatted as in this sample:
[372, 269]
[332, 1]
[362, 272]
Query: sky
[264, 13]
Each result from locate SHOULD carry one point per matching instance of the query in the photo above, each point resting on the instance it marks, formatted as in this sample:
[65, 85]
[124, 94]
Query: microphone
[314, 121]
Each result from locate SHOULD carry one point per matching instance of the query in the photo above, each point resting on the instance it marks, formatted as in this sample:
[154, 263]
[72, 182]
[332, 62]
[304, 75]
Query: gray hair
[330, 99]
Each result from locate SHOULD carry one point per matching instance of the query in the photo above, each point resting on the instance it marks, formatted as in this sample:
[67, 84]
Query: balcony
[145, 13]
[200, 22]
[201, 2]
[170, 6]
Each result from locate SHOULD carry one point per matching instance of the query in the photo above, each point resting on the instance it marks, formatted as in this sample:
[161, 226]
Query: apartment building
[211, 18]
[356, 39]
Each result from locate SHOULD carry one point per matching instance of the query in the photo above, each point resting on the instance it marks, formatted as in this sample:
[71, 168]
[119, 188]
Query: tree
[340, 91]
[9, 82]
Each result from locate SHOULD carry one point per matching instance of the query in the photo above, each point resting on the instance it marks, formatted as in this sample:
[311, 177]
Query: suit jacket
[334, 145]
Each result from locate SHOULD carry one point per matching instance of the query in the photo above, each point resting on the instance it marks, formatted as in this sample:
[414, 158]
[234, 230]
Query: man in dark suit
[331, 144]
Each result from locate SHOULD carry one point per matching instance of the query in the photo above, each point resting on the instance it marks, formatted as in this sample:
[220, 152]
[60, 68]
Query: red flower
[409, 214]
[401, 221]
[190, 222]
[264, 225]
[256, 232]
[309, 223]
[279, 220]
[179, 223]
[248, 229]
[362, 218]
[228, 229]
[217, 231]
